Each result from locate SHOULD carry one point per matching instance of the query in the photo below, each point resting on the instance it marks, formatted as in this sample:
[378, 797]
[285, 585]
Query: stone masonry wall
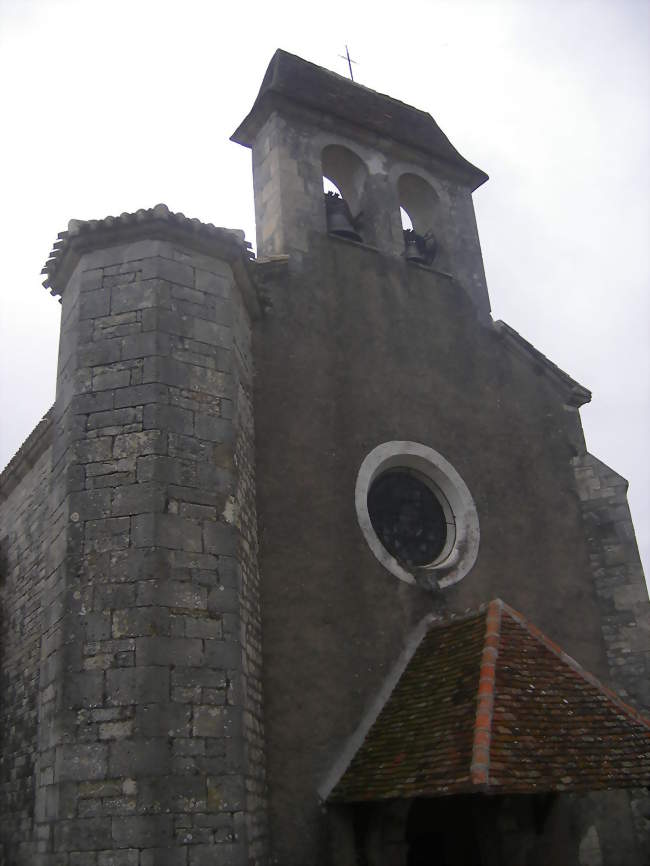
[23, 523]
[618, 577]
[249, 601]
[622, 598]
[150, 709]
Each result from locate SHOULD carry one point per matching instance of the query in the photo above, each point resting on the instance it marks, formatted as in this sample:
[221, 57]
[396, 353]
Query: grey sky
[108, 107]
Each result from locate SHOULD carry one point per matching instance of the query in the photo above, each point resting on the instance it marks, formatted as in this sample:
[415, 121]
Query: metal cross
[346, 56]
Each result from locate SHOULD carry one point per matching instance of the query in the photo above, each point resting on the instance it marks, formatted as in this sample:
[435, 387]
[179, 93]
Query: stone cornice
[157, 223]
[576, 395]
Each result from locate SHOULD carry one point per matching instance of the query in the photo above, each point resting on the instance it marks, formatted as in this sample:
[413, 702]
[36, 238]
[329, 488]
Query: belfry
[309, 563]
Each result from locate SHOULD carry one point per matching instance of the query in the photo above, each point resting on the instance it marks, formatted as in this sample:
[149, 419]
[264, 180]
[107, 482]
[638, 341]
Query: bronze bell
[339, 218]
[420, 248]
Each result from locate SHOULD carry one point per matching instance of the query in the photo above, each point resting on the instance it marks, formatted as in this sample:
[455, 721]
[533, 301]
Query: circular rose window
[417, 514]
[409, 517]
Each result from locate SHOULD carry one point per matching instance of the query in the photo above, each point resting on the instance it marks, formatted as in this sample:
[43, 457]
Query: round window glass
[408, 517]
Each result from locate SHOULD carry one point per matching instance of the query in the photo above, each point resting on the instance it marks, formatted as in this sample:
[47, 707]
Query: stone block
[82, 834]
[83, 689]
[225, 854]
[140, 295]
[140, 395]
[203, 677]
[99, 352]
[77, 858]
[114, 418]
[163, 720]
[93, 450]
[223, 312]
[139, 757]
[145, 344]
[170, 470]
[184, 293]
[190, 376]
[167, 269]
[84, 404]
[173, 793]
[137, 685]
[219, 538]
[226, 655]
[104, 788]
[190, 448]
[116, 730]
[173, 418]
[196, 512]
[172, 593]
[109, 379]
[122, 857]
[226, 793]
[94, 304]
[140, 444]
[91, 280]
[176, 856]
[214, 284]
[138, 499]
[205, 627]
[140, 621]
[166, 530]
[223, 599]
[211, 721]
[89, 505]
[168, 651]
[110, 467]
[108, 534]
[142, 831]
[96, 626]
[81, 762]
[213, 429]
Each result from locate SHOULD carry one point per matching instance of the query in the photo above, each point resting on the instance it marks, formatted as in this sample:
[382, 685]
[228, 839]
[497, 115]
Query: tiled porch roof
[488, 703]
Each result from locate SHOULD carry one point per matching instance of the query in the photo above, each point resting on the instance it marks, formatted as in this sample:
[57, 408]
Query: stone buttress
[150, 730]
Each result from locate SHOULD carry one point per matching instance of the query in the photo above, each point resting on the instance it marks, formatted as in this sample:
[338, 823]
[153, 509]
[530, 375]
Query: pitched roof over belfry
[488, 703]
[290, 79]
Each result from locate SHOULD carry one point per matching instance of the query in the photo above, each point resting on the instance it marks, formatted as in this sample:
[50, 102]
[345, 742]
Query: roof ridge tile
[608, 693]
[480, 763]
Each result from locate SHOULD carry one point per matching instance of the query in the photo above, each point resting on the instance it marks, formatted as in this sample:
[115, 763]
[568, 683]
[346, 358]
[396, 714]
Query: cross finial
[347, 57]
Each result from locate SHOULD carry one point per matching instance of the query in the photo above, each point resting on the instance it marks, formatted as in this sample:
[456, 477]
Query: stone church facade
[253, 558]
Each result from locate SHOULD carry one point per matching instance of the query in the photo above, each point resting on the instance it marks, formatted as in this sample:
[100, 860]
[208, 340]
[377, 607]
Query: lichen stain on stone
[215, 799]
[230, 511]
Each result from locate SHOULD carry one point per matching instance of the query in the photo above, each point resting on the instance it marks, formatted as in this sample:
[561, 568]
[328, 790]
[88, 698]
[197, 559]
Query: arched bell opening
[418, 207]
[344, 179]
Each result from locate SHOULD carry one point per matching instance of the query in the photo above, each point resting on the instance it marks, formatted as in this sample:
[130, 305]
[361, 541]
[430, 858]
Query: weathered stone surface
[137, 685]
[139, 758]
[142, 831]
[76, 763]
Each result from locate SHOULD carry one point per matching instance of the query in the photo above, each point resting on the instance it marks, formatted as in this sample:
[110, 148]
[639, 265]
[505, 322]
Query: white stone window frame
[458, 557]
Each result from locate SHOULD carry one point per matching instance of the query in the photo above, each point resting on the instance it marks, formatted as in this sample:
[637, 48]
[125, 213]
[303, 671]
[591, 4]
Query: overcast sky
[113, 106]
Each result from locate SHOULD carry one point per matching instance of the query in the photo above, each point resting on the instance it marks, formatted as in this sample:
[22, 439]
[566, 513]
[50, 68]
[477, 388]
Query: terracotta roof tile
[489, 703]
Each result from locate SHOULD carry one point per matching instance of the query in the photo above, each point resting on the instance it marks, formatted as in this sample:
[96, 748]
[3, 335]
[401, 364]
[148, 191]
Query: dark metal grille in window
[407, 517]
